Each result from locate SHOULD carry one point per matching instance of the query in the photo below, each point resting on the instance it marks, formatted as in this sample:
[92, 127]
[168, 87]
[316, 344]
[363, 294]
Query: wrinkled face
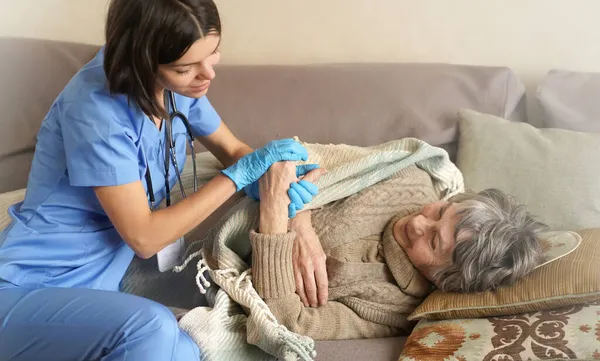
[191, 74]
[427, 237]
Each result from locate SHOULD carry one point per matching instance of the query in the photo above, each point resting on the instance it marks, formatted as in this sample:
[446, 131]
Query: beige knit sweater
[373, 286]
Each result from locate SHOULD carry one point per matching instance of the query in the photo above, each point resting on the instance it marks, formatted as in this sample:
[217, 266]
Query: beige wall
[530, 36]
[71, 20]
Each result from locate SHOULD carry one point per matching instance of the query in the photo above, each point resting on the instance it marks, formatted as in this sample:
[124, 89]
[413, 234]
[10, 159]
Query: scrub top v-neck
[59, 235]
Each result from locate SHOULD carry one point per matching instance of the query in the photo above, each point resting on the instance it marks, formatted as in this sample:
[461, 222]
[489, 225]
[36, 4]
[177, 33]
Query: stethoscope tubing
[170, 153]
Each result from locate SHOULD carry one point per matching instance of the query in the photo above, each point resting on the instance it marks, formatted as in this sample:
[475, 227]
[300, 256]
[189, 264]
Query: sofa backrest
[361, 104]
[32, 74]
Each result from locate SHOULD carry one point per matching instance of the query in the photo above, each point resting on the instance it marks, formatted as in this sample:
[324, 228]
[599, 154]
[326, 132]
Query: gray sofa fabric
[360, 104]
[569, 100]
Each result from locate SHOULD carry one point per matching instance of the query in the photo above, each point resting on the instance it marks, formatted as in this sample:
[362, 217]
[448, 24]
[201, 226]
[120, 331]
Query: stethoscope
[170, 153]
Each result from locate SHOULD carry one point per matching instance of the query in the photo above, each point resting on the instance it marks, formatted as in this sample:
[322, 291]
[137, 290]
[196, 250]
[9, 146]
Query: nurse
[87, 209]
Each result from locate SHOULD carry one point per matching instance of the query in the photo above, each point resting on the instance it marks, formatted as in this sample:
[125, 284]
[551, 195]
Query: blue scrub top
[60, 236]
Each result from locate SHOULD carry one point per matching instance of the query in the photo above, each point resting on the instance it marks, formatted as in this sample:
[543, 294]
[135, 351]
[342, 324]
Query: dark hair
[142, 34]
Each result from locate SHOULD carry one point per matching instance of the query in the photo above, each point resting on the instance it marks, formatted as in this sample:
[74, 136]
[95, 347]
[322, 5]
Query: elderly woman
[386, 248]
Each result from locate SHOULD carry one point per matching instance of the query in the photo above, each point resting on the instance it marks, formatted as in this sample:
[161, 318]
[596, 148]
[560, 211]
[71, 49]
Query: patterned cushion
[568, 333]
[572, 279]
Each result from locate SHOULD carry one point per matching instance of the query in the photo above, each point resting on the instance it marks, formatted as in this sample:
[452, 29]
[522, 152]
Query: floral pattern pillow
[571, 333]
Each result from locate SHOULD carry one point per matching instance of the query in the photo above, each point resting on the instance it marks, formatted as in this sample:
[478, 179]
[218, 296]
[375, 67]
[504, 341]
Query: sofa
[358, 104]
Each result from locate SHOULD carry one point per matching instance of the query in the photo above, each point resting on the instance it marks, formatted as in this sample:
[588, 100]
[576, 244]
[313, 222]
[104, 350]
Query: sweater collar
[410, 280]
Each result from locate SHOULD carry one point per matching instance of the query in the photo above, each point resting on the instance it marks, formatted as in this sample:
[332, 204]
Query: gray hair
[497, 243]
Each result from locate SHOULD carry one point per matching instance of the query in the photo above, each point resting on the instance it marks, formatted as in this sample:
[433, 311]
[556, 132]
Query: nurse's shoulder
[87, 98]
[100, 132]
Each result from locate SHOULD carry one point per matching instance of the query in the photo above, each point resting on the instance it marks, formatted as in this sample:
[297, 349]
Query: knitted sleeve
[273, 278]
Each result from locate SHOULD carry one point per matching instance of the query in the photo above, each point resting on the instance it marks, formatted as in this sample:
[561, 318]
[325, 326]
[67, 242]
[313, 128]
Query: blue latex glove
[252, 166]
[300, 193]
[253, 191]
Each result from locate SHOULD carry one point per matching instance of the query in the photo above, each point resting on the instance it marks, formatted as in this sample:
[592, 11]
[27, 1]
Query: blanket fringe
[201, 266]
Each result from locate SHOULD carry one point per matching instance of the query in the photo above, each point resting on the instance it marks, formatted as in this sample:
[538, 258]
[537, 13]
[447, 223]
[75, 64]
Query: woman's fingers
[310, 286]
[296, 202]
[304, 194]
[314, 175]
[312, 189]
[292, 156]
[322, 282]
[302, 170]
[303, 191]
[300, 284]
[310, 268]
[293, 148]
[292, 211]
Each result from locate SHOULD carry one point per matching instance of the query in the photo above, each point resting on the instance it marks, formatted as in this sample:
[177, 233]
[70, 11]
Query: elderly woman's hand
[274, 203]
[310, 271]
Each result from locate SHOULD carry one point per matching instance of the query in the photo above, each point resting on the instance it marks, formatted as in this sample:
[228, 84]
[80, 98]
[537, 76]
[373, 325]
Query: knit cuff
[272, 267]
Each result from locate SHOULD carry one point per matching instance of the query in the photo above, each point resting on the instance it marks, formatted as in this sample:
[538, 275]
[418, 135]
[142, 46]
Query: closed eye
[435, 239]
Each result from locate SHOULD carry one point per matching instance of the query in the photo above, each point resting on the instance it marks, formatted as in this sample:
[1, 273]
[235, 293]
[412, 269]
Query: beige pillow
[569, 280]
[554, 172]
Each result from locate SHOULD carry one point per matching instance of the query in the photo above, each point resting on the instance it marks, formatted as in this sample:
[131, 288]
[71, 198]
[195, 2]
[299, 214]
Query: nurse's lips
[200, 88]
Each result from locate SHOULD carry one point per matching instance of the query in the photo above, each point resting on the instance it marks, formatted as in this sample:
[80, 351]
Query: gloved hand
[300, 193]
[252, 166]
[252, 190]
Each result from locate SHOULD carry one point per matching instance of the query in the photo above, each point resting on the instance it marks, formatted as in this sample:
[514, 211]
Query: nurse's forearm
[169, 224]
[147, 232]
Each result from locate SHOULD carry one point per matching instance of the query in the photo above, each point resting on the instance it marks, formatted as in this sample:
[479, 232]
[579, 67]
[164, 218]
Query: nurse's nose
[207, 73]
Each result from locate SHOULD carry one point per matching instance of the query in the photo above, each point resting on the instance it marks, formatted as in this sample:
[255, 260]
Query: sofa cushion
[553, 171]
[379, 349]
[569, 100]
[571, 333]
[572, 279]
